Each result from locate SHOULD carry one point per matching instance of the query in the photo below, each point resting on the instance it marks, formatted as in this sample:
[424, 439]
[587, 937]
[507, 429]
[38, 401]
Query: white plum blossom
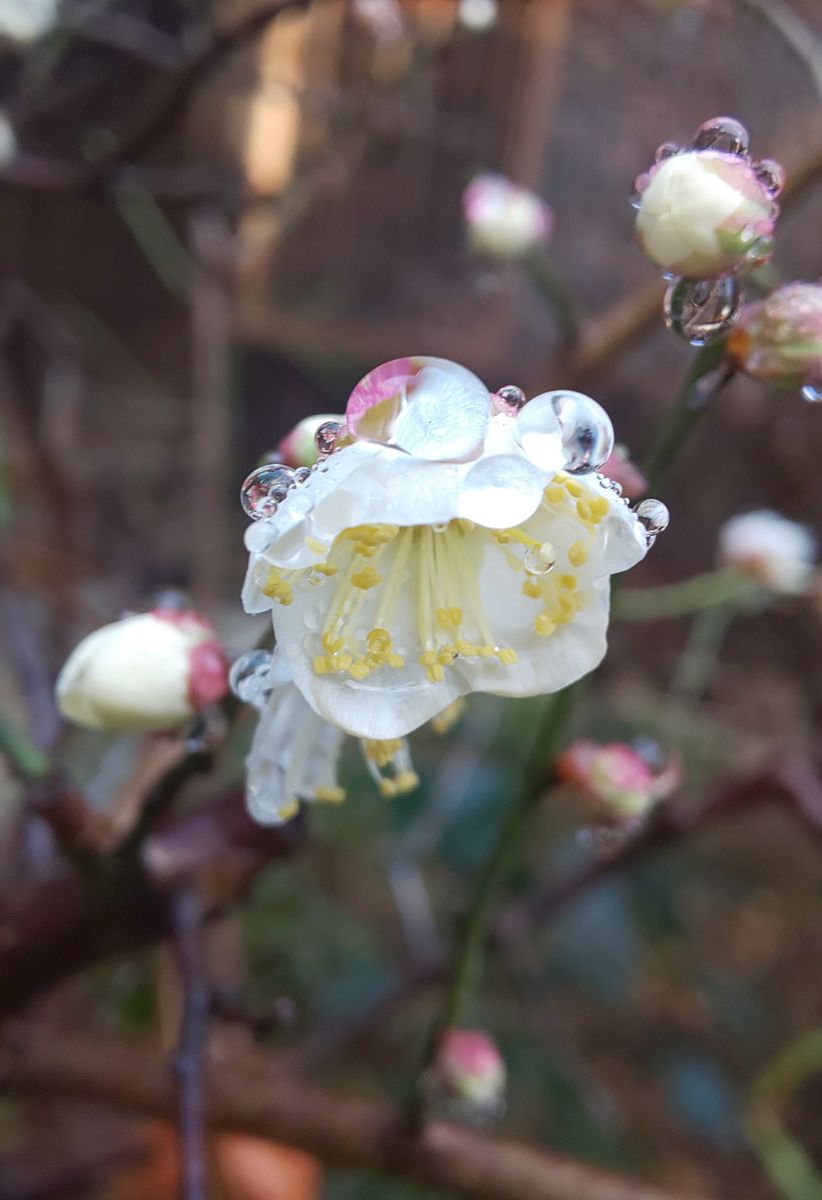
[447, 548]
[703, 214]
[504, 220]
[778, 553]
[146, 672]
[27, 20]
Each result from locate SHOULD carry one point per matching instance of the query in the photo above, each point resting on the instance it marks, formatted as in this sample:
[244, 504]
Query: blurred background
[216, 220]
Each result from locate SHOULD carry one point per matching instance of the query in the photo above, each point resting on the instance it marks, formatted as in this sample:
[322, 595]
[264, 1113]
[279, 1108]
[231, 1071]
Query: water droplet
[440, 527]
[509, 400]
[539, 560]
[312, 618]
[812, 392]
[302, 475]
[264, 488]
[666, 150]
[249, 678]
[771, 175]
[722, 133]
[654, 516]
[325, 437]
[587, 432]
[640, 184]
[701, 310]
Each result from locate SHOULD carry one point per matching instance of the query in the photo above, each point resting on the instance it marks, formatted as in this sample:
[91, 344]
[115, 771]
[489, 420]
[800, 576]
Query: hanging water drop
[701, 310]
[587, 432]
[325, 438]
[264, 489]
[539, 560]
[771, 175]
[249, 678]
[666, 150]
[302, 475]
[509, 400]
[654, 516]
[722, 133]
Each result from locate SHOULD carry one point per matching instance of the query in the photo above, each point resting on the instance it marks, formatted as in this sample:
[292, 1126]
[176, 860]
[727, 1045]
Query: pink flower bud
[298, 449]
[147, 672]
[616, 777]
[470, 1070]
[779, 339]
[504, 220]
[619, 467]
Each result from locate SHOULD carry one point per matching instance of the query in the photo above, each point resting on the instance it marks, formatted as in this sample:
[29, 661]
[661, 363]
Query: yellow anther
[577, 554]
[378, 639]
[331, 645]
[573, 488]
[465, 525]
[544, 625]
[324, 569]
[569, 582]
[341, 662]
[435, 673]
[359, 670]
[381, 752]
[329, 795]
[554, 494]
[315, 544]
[485, 651]
[585, 511]
[601, 507]
[320, 665]
[507, 656]
[447, 655]
[502, 536]
[395, 660]
[428, 658]
[367, 578]
[289, 810]
[560, 477]
[388, 788]
[449, 716]
[532, 588]
[567, 604]
[406, 781]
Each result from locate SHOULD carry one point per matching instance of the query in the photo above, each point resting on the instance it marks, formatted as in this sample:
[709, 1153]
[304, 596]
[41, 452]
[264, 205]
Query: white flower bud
[148, 672]
[503, 220]
[776, 552]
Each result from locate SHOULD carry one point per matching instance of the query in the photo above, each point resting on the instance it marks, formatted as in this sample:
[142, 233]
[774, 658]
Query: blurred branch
[789, 1166]
[342, 1131]
[797, 34]
[189, 1061]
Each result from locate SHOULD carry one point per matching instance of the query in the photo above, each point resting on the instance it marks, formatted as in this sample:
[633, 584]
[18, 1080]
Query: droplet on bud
[666, 150]
[249, 678]
[301, 475]
[654, 516]
[587, 432]
[539, 560]
[264, 489]
[701, 310]
[771, 175]
[325, 438]
[722, 133]
[509, 400]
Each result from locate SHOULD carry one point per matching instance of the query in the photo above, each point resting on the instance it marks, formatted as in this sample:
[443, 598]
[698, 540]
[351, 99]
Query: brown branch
[189, 1061]
[341, 1131]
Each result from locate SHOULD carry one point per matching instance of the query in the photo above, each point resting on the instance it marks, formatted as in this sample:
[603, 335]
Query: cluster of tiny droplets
[703, 310]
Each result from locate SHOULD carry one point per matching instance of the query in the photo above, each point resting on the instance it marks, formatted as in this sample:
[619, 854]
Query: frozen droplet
[654, 516]
[539, 560]
[771, 175]
[722, 133]
[264, 489]
[509, 400]
[812, 392]
[325, 437]
[666, 150]
[587, 432]
[249, 677]
[701, 310]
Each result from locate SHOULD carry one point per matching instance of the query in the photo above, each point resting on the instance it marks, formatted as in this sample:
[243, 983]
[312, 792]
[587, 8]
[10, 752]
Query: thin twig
[189, 1061]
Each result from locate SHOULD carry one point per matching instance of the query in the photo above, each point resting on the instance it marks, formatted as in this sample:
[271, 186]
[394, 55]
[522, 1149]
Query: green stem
[547, 280]
[711, 590]
[696, 666]
[704, 381]
[27, 762]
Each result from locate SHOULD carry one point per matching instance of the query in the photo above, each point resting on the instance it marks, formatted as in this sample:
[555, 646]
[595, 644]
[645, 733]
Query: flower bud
[469, 1072]
[703, 214]
[620, 467]
[777, 553]
[26, 20]
[298, 449]
[147, 672]
[503, 220]
[779, 339]
[622, 780]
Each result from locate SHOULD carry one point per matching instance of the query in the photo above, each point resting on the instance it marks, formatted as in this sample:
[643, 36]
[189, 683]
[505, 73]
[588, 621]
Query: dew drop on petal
[539, 560]
[249, 677]
[538, 432]
[722, 133]
[509, 400]
[325, 437]
[701, 310]
[302, 475]
[654, 516]
[587, 432]
[312, 618]
[264, 488]
[500, 491]
[771, 175]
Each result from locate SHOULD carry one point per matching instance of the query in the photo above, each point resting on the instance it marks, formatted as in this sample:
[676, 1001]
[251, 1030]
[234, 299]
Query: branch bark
[341, 1131]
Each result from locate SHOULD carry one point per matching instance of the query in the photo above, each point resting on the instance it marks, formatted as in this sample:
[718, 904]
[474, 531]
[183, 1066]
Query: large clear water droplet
[654, 516]
[722, 133]
[539, 560]
[264, 489]
[250, 678]
[587, 432]
[325, 437]
[701, 310]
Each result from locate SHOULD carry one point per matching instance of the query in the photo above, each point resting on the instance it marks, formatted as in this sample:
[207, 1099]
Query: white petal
[500, 491]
